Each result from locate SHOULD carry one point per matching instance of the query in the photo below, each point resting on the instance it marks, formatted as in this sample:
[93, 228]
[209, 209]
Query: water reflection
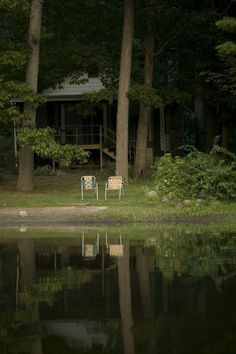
[104, 293]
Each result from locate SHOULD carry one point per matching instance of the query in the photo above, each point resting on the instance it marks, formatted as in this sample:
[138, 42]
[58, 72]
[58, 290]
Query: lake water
[170, 293]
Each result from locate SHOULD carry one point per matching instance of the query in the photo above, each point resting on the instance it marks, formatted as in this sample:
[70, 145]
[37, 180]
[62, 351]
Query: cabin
[95, 129]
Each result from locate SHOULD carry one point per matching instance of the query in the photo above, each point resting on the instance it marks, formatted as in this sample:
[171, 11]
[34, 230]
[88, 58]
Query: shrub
[212, 174]
[45, 170]
[197, 175]
[170, 177]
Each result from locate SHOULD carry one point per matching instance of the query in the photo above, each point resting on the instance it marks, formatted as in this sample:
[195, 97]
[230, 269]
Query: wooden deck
[90, 146]
[89, 137]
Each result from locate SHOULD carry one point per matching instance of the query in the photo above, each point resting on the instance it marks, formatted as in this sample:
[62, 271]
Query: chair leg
[82, 193]
[97, 191]
[105, 193]
[119, 193]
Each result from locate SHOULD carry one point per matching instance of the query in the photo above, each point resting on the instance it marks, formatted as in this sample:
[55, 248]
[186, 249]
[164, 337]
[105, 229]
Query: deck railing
[80, 134]
[96, 135]
[86, 134]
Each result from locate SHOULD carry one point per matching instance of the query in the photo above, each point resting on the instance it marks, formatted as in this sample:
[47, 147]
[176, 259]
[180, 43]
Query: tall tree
[26, 158]
[124, 84]
[227, 77]
[145, 110]
[190, 56]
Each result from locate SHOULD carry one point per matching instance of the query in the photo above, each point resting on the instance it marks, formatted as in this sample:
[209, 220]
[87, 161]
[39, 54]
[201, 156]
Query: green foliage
[104, 94]
[172, 94]
[44, 170]
[145, 95]
[13, 58]
[198, 175]
[212, 174]
[42, 142]
[227, 24]
[14, 4]
[228, 48]
[156, 98]
[9, 92]
[170, 176]
[226, 79]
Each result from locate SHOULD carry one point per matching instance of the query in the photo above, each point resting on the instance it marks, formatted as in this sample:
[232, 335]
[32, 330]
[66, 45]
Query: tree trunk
[199, 113]
[26, 159]
[145, 111]
[224, 128]
[176, 133]
[211, 129]
[27, 263]
[225, 136]
[144, 281]
[124, 84]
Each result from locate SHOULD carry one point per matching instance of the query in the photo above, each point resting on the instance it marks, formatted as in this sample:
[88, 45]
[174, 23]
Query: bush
[45, 170]
[197, 175]
[169, 175]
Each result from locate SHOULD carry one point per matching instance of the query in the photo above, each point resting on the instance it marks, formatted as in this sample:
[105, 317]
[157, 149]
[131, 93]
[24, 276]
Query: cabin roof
[69, 91]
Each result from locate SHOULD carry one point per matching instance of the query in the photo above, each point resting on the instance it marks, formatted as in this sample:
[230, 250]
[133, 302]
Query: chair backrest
[88, 182]
[114, 182]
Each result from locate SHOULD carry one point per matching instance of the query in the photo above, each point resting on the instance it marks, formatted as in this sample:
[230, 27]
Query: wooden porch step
[109, 153]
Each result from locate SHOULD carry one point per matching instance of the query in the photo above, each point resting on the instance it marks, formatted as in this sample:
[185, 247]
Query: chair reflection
[115, 249]
[91, 249]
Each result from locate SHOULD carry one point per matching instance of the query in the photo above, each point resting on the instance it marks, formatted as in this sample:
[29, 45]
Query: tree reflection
[125, 300]
[27, 266]
[165, 294]
[145, 261]
[197, 276]
[21, 330]
[197, 256]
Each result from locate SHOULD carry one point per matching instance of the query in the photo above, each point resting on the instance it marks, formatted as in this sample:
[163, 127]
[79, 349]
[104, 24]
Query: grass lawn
[134, 206]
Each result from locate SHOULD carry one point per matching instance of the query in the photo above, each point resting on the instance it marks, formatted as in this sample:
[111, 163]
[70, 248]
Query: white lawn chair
[114, 183]
[88, 183]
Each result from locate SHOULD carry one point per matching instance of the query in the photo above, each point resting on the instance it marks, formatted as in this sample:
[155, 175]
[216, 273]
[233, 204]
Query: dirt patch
[48, 215]
[74, 216]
